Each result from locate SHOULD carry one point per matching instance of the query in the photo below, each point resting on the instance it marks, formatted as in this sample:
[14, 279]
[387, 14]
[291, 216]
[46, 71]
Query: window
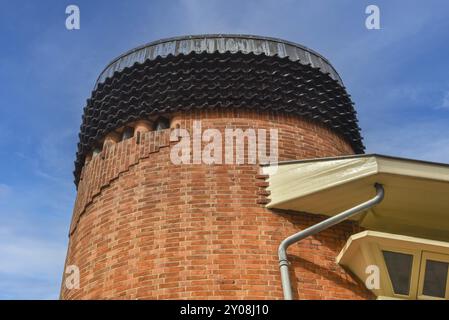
[161, 124]
[399, 266]
[422, 275]
[128, 132]
[96, 151]
[435, 279]
[434, 276]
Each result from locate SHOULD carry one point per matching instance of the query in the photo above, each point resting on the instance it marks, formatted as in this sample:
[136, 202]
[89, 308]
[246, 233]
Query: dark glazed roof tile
[216, 80]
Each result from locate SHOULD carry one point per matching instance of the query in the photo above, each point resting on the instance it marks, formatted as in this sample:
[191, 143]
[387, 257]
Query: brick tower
[144, 227]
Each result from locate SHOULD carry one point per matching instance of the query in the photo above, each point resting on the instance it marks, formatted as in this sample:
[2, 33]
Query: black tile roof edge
[222, 43]
[219, 80]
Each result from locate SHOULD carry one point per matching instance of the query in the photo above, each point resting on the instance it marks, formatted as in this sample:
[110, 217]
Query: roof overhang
[416, 192]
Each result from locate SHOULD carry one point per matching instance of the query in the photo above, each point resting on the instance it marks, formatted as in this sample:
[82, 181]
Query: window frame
[414, 275]
[428, 255]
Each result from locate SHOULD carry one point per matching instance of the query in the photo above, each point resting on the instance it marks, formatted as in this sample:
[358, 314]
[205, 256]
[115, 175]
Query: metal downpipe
[282, 251]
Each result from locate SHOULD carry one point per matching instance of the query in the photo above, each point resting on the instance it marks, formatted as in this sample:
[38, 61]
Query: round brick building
[144, 227]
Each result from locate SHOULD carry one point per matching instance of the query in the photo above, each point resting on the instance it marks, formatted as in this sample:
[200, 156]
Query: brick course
[144, 228]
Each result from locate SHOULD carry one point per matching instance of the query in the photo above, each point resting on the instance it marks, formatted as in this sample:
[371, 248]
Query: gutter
[287, 242]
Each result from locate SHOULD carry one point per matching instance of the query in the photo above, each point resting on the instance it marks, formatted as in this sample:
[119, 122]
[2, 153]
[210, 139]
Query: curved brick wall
[144, 228]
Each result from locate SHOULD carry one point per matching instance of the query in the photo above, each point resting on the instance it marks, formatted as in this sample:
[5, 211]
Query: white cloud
[445, 103]
[29, 266]
[25, 288]
[28, 256]
[419, 140]
[33, 240]
[5, 190]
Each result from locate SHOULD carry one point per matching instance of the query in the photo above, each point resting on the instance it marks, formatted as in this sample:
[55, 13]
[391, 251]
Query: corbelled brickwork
[114, 160]
[145, 228]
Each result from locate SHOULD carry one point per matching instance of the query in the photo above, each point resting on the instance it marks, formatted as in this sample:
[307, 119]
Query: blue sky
[397, 76]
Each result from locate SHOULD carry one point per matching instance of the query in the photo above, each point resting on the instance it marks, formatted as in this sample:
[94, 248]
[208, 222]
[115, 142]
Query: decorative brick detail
[114, 160]
[262, 193]
[145, 228]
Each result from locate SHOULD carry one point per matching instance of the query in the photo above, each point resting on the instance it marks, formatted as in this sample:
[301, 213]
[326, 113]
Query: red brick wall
[144, 228]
